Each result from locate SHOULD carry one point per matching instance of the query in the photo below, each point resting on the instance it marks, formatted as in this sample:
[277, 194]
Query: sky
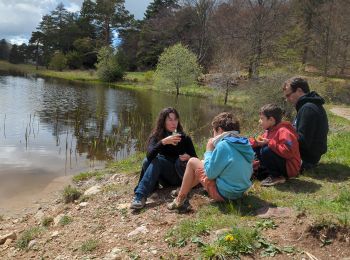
[18, 18]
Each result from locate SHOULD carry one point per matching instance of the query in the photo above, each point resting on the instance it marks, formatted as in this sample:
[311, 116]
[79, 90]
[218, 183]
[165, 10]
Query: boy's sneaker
[270, 181]
[174, 193]
[138, 202]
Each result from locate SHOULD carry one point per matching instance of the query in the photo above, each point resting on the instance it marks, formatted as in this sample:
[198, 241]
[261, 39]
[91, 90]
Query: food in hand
[260, 138]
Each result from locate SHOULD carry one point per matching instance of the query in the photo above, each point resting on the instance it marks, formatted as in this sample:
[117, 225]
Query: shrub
[89, 246]
[58, 61]
[108, 69]
[149, 75]
[65, 220]
[70, 194]
[27, 236]
[74, 60]
[47, 221]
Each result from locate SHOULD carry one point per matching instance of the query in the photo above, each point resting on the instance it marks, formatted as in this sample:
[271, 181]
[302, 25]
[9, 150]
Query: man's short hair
[272, 110]
[295, 83]
[226, 121]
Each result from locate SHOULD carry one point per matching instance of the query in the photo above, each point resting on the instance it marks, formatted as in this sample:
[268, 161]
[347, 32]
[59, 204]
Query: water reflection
[63, 128]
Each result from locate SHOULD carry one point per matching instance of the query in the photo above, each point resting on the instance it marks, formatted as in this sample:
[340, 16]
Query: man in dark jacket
[311, 121]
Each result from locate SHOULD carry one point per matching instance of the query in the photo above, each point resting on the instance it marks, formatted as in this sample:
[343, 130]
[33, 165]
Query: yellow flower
[229, 237]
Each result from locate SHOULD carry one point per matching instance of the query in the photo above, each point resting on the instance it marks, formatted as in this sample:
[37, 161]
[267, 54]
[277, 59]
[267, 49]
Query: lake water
[51, 129]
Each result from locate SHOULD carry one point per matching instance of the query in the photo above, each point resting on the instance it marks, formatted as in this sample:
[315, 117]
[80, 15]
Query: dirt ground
[106, 219]
[341, 111]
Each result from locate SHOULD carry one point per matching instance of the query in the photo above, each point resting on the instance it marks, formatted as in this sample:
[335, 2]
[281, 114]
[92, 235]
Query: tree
[4, 50]
[108, 68]
[177, 66]
[110, 14]
[18, 54]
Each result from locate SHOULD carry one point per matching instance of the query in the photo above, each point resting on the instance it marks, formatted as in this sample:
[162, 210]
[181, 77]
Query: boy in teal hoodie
[227, 167]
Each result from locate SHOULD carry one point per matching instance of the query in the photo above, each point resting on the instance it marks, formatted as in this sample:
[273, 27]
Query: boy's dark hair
[295, 83]
[226, 121]
[272, 110]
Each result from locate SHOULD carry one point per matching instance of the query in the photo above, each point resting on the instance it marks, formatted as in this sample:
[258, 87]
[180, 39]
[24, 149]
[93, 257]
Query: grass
[47, 221]
[27, 236]
[89, 246]
[70, 194]
[131, 164]
[84, 176]
[65, 220]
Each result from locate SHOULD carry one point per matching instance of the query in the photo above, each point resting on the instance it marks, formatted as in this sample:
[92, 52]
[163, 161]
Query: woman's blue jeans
[160, 170]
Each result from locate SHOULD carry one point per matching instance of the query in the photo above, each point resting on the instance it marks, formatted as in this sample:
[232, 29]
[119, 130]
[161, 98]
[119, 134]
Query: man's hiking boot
[270, 181]
[138, 202]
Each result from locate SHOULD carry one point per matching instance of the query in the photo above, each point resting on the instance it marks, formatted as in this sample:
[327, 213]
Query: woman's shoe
[270, 181]
[175, 193]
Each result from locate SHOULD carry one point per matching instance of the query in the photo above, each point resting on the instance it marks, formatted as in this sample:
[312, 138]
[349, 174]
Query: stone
[116, 254]
[92, 190]
[55, 234]
[123, 206]
[11, 235]
[57, 219]
[84, 204]
[274, 212]
[8, 242]
[39, 215]
[31, 244]
[140, 230]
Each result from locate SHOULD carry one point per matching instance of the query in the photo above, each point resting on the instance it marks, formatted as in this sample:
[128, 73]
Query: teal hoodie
[230, 165]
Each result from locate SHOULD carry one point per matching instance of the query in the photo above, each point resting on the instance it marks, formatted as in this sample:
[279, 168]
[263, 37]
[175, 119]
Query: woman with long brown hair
[168, 151]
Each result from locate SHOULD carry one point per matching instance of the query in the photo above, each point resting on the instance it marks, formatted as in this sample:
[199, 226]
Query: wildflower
[229, 237]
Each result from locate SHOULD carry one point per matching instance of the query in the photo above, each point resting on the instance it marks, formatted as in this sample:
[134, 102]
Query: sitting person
[227, 167]
[311, 122]
[277, 149]
[169, 148]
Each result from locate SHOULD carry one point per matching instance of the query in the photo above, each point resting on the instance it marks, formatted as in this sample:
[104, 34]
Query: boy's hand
[210, 145]
[262, 142]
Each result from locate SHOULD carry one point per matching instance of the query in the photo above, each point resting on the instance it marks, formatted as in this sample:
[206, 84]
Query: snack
[259, 138]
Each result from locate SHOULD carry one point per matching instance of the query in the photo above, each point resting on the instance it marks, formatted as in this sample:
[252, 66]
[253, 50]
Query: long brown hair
[159, 130]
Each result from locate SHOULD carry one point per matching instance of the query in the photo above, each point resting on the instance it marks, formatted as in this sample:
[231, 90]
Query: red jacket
[283, 140]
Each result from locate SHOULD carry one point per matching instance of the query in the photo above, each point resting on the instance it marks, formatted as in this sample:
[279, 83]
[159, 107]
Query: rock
[55, 234]
[115, 178]
[39, 216]
[8, 242]
[11, 235]
[276, 212]
[92, 190]
[84, 204]
[123, 206]
[57, 219]
[141, 229]
[31, 244]
[116, 254]
[217, 233]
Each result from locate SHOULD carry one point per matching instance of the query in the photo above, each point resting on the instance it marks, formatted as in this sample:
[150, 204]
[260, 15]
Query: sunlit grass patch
[70, 194]
[131, 164]
[89, 246]
[83, 176]
[65, 220]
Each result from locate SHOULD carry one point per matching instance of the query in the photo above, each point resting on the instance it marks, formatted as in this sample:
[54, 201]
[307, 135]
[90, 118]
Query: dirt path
[341, 111]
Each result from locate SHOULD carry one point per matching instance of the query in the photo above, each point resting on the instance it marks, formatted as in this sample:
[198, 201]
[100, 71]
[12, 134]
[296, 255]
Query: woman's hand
[262, 142]
[184, 157]
[210, 145]
[171, 139]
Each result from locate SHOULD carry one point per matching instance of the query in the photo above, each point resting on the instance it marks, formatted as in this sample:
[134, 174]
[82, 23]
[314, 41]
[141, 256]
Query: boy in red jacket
[278, 148]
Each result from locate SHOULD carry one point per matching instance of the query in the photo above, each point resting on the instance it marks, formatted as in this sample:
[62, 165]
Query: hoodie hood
[242, 145]
[311, 97]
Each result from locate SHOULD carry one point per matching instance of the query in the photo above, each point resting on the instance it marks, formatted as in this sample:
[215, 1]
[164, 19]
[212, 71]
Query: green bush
[58, 61]
[89, 246]
[70, 194]
[149, 75]
[74, 60]
[108, 68]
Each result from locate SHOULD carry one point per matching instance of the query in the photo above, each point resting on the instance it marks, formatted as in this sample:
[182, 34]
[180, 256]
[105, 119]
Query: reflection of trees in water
[112, 123]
